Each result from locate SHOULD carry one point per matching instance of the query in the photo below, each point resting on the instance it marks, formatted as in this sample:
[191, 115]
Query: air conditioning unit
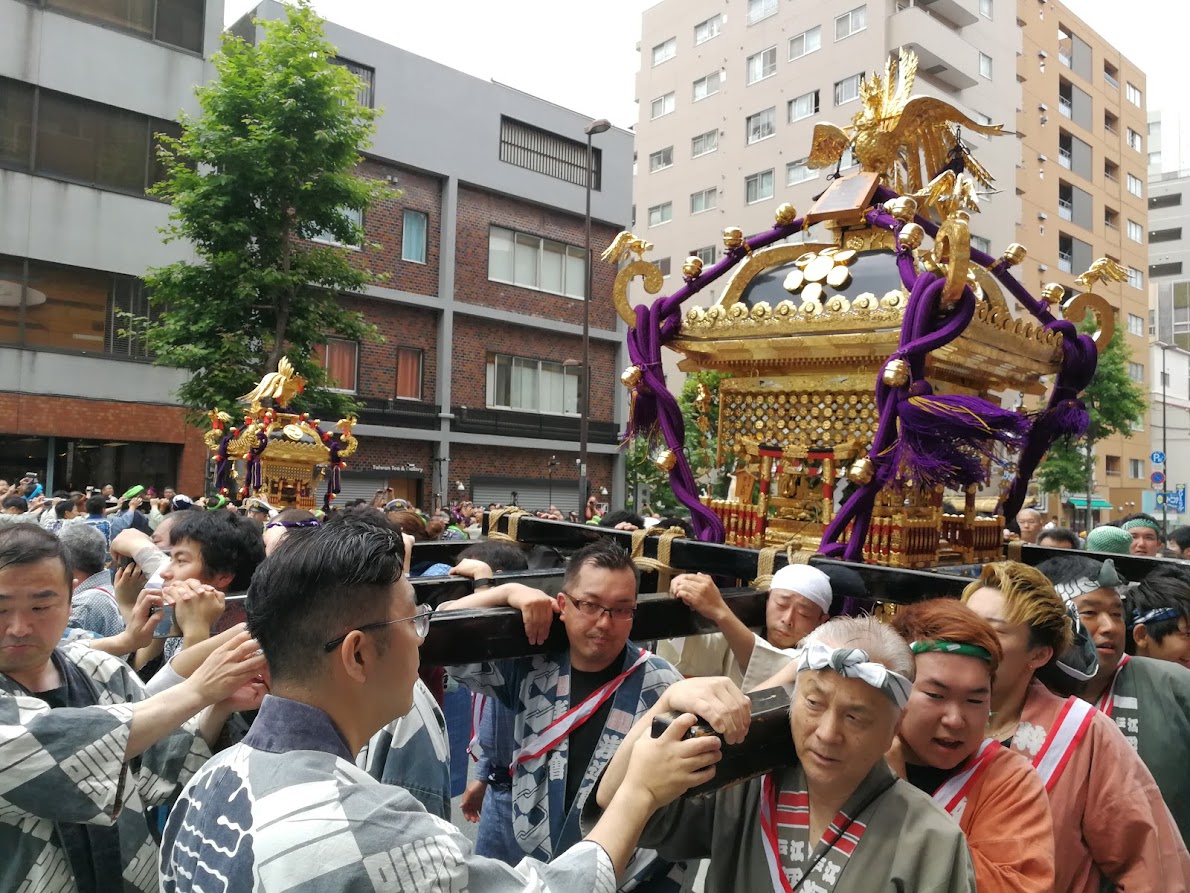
[1042, 54]
[1042, 158]
[1041, 215]
[1043, 107]
[1042, 268]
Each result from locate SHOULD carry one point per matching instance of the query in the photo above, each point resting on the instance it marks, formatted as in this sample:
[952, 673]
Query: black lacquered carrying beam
[436, 590]
[1133, 567]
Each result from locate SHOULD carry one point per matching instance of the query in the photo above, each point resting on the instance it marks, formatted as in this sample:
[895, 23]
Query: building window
[664, 265]
[762, 65]
[178, 23]
[354, 215]
[1136, 371]
[985, 8]
[1172, 200]
[661, 159]
[1111, 218]
[548, 153]
[659, 214]
[1111, 464]
[1132, 94]
[1136, 324]
[985, 66]
[340, 359]
[1136, 186]
[708, 29]
[78, 140]
[1111, 171]
[1111, 122]
[762, 125]
[805, 43]
[366, 94]
[979, 243]
[1135, 231]
[665, 51]
[414, 230]
[409, 373]
[760, 9]
[851, 22]
[847, 89]
[705, 86]
[803, 106]
[530, 261]
[532, 385]
[1111, 75]
[1173, 234]
[706, 255]
[663, 105]
[798, 172]
[1134, 140]
[1136, 278]
[704, 143]
[1136, 469]
[703, 201]
[1173, 268]
[758, 187]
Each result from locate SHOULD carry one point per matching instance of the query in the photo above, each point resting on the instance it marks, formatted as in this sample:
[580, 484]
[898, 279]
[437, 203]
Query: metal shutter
[532, 495]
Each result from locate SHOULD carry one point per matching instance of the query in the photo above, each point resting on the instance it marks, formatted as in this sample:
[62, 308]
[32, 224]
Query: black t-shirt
[585, 738]
[55, 697]
[928, 779]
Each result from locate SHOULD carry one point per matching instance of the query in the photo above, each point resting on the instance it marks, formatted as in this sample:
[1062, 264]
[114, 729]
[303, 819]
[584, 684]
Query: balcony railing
[1065, 106]
[510, 423]
[1064, 158]
[398, 413]
[1111, 81]
[1065, 263]
[1064, 58]
[1065, 209]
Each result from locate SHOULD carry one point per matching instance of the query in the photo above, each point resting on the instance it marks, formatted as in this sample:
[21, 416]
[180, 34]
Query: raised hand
[700, 593]
[537, 609]
[715, 699]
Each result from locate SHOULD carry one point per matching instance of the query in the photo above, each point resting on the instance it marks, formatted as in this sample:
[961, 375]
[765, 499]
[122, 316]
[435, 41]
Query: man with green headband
[1149, 700]
[1147, 535]
[836, 820]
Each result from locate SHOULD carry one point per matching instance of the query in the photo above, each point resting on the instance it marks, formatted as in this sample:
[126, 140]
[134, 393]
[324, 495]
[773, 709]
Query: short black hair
[497, 555]
[605, 553]
[1064, 534]
[1181, 536]
[1162, 587]
[1068, 568]
[22, 544]
[666, 523]
[15, 502]
[228, 543]
[96, 504]
[319, 583]
[619, 516]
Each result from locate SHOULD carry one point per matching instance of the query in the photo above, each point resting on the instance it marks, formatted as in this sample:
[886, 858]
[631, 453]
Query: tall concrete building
[1081, 186]
[83, 87]
[729, 95]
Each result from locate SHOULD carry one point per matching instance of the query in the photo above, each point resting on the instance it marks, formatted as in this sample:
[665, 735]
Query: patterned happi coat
[538, 690]
[67, 765]
[413, 753]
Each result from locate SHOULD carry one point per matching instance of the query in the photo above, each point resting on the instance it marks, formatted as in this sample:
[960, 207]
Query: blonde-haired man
[837, 820]
[1110, 823]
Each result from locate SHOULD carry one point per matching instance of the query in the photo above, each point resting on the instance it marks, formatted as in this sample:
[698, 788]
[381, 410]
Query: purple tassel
[1069, 418]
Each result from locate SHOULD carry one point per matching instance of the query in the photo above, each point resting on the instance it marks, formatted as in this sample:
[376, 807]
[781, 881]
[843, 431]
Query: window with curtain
[339, 357]
[413, 236]
[532, 385]
[409, 362]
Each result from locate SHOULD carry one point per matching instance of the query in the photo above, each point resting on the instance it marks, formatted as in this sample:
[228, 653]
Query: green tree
[700, 451]
[267, 165]
[1114, 402]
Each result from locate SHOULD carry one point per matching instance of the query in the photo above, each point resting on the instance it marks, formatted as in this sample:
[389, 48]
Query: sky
[581, 54]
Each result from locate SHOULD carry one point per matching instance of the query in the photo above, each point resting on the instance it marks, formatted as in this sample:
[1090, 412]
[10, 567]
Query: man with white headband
[1111, 828]
[799, 602]
[837, 820]
[1149, 700]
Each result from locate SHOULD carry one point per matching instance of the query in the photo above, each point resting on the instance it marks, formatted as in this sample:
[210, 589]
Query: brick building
[474, 390]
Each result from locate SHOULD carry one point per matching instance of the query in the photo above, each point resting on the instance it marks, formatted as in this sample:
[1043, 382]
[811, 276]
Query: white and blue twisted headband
[853, 663]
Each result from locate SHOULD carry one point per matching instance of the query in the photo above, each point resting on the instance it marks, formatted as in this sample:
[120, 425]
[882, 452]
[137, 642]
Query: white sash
[1064, 737]
[954, 790]
[1107, 701]
[549, 737]
[477, 704]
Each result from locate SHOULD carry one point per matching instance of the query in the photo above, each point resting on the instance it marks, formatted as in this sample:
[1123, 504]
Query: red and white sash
[1064, 737]
[1107, 701]
[549, 737]
[954, 791]
[792, 809]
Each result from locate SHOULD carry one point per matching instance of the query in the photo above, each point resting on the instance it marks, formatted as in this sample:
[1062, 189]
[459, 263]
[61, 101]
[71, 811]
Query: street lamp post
[552, 466]
[1164, 442]
[598, 126]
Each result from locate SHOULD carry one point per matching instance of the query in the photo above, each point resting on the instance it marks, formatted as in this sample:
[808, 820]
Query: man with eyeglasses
[288, 810]
[572, 707]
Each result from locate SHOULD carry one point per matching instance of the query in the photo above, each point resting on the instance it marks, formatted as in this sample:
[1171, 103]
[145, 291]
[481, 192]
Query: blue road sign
[1157, 477]
[1157, 457]
[1177, 499]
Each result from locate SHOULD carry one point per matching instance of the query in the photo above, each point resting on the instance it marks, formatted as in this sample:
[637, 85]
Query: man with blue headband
[1149, 700]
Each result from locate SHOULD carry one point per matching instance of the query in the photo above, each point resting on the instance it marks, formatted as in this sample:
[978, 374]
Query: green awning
[1080, 502]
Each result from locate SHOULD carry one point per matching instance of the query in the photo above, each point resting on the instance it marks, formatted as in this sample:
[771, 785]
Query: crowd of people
[1031, 736]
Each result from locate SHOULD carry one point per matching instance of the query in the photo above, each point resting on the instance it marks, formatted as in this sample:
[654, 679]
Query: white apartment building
[729, 94]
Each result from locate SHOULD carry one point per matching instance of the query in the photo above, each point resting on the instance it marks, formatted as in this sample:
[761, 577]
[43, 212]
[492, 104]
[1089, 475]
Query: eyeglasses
[421, 626]
[592, 609]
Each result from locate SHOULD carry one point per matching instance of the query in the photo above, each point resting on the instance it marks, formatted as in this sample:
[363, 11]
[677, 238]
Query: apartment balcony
[510, 423]
[398, 413]
[960, 13]
[941, 52]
